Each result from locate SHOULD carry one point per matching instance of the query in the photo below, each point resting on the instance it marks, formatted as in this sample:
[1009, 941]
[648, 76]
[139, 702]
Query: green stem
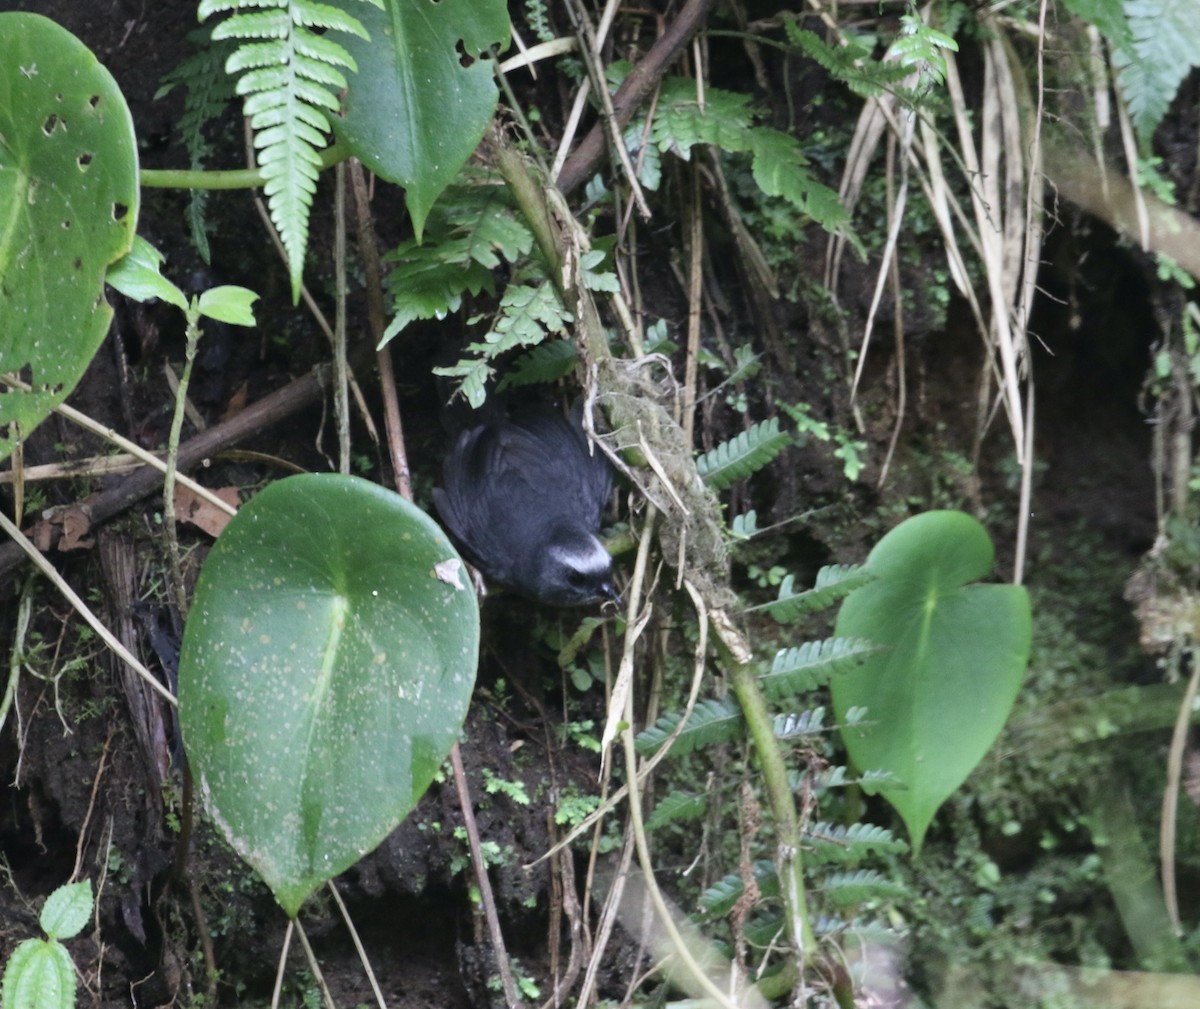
[169, 524]
[241, 178]
[779, 795]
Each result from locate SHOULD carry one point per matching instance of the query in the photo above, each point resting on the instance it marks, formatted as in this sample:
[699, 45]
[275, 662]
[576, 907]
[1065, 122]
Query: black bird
[522, 498]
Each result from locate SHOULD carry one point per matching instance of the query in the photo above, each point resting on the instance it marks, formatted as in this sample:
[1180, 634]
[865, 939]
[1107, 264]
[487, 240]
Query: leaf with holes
[68, 208]
[327, 666]
[423, 96]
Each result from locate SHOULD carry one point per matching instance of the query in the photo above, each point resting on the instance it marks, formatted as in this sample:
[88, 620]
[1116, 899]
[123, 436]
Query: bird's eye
[576, 579]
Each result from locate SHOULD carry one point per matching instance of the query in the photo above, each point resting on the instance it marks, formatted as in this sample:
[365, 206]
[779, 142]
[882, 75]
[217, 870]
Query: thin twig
[368, 250]
[354, 937]
[487, 898]
[277, 991]
[82, 609]
[91, 807]
[315, 967]
[1170, 803]
[135, 450]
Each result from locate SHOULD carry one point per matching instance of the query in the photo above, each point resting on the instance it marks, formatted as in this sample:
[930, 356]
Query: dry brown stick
[642, 79]
[268, 411]
[369, 252]
[368, 249]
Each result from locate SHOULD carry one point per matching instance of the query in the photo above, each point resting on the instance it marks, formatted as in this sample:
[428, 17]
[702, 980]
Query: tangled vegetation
[854, 299]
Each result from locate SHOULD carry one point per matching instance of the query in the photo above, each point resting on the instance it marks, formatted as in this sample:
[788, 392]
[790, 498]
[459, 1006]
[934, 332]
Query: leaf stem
[239, 178]
[779, 794]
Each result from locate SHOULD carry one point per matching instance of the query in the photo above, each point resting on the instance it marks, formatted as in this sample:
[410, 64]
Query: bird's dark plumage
[523, 499]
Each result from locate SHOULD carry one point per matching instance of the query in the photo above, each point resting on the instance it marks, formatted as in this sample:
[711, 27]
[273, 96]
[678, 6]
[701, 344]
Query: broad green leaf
[954, 657]
[414, 112]
[326, 669]
[68, 208]
[138, 275]
[39, 975]
[229, 304]
[67, 910]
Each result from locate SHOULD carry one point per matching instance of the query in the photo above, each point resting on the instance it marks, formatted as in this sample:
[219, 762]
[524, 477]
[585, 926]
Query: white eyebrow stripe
[592, 559]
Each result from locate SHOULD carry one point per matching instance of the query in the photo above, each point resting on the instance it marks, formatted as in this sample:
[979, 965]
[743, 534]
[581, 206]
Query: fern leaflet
[718, 899]
[813, 664]
[799, 723]
[830, 842]
[739, 457]
[290, 76]
[834, 582]
[547, 362]
[846, 889]
[716, 720]
[678, 807]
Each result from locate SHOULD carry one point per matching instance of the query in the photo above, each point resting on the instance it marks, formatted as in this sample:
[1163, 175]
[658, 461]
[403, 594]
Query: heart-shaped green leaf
[327, 666]
[422, 97]
[953, 659]
[68, 208]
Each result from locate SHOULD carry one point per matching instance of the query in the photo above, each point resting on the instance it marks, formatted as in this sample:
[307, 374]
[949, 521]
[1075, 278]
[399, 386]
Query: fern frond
[716, 720]
[865, 931]
[799, 723]
[829, 842]
[744, 526]
[834, 582]
[678, 807]
[780, 169]
[538, 16]
[208, 91]
[851, 64]
[846, 889]
[483, 217]
[289, 79]
[470, 231]
[528, 313]
[739, 457]
[813, 664]
[1164, 46]
[726, 122]
[840, 777]
[472, 375]
[424, 284]
[546, 362]
[746, 364]
[718, 900]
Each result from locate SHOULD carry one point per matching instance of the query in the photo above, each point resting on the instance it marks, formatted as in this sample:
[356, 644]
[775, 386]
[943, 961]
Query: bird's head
[574, 570]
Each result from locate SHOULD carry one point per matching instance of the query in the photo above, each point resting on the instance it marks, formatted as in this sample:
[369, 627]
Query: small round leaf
[67, 910]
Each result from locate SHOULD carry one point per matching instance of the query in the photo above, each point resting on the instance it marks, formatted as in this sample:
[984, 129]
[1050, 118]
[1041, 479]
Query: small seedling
[40, 973]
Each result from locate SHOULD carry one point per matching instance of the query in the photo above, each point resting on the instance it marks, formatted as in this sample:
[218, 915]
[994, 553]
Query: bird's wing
[507, 487]
[551, 454]
[466, 505]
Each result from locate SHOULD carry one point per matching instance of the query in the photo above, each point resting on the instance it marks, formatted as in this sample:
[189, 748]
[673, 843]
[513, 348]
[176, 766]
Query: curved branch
[642, 79]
